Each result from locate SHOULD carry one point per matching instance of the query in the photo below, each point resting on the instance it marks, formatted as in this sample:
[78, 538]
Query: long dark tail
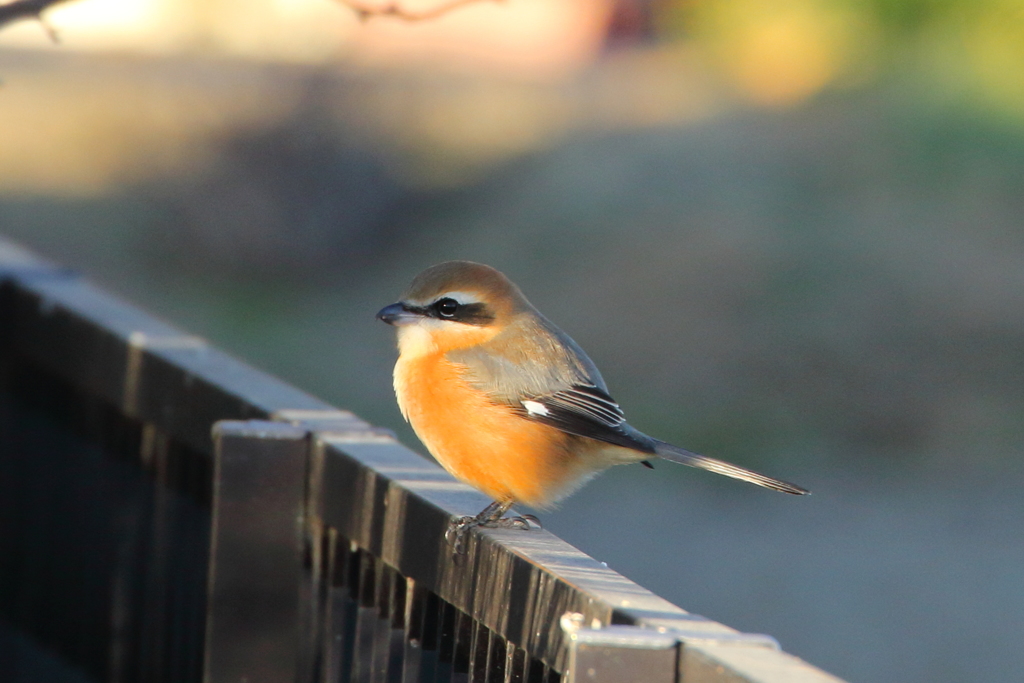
[685, 457]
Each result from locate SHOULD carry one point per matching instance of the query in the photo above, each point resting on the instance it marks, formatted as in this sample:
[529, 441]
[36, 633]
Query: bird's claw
[455, 536]
[457, 530]
[525, 522]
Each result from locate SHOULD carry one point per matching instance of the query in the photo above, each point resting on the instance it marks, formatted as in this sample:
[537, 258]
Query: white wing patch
[535, 408]
[588, 402]
[588, 411]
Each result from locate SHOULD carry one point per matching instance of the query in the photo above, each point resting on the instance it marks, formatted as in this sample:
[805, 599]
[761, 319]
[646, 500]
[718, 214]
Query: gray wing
[530, 358]
[550, 379]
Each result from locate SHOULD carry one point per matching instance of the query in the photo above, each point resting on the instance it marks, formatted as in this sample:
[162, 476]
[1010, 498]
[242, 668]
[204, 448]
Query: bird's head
[453, 305]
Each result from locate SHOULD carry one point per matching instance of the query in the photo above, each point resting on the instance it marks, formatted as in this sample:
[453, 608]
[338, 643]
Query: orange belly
[481, 443]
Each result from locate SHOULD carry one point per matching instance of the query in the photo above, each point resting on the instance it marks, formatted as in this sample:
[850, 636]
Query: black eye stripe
[447, 308]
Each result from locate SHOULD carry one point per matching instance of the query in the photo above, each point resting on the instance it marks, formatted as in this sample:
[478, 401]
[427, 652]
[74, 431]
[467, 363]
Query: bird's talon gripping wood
[490, 518]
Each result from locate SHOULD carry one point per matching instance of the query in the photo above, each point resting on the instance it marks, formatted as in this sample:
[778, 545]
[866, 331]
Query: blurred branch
[394, 9]
[26, 9]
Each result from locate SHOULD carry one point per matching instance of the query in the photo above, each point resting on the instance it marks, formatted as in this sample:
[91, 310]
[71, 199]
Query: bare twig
[26, 9]
[394, 9]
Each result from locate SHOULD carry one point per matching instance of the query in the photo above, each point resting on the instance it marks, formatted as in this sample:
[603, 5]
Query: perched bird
[507, 402]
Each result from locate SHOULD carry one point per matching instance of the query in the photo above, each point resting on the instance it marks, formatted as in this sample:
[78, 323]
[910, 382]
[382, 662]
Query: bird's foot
[524, 522]
[489, 518]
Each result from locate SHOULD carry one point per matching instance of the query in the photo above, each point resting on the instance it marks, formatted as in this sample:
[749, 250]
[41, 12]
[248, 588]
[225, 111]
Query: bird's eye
[446, 308]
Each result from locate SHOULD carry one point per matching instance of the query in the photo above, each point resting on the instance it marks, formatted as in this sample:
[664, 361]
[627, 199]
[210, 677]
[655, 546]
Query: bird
[507, 402]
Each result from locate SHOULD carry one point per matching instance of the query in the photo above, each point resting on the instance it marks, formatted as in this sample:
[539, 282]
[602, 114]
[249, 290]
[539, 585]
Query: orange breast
[483, 444]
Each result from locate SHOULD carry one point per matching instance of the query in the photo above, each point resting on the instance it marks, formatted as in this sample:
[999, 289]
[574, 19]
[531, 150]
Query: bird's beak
[398, 314]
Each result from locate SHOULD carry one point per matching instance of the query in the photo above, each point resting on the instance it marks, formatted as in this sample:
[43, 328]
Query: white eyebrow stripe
[535, 408]
[462, 297]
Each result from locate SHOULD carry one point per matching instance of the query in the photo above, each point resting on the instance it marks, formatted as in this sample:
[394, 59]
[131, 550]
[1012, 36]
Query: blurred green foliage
[779, 52]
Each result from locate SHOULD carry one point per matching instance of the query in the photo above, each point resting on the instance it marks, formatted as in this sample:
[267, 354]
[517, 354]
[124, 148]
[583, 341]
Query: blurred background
[790, 232]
